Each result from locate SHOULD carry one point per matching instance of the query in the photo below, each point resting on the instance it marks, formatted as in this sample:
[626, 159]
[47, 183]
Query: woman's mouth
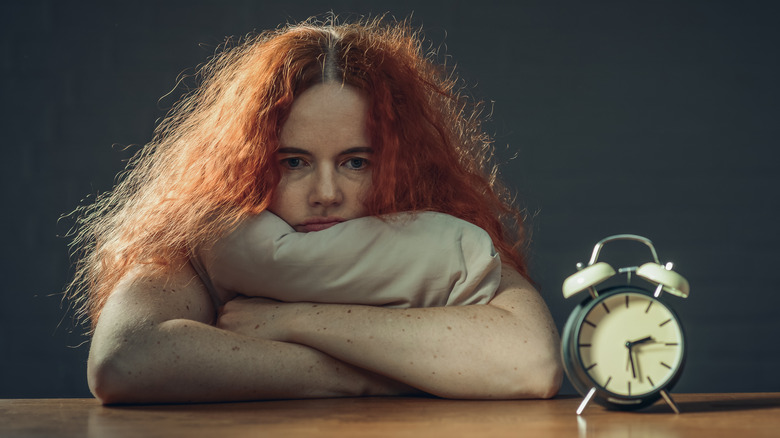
[319, 224]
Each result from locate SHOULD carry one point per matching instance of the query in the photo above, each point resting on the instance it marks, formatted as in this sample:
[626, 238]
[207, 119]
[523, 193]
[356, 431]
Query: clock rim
[575, 370]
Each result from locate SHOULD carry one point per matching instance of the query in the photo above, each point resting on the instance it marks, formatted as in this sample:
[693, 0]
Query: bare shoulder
[154, 295]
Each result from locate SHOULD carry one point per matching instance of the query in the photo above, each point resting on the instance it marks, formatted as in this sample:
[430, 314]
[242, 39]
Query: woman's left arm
[508, 348]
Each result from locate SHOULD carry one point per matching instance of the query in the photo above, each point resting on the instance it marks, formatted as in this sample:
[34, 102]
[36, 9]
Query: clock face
[630, 344]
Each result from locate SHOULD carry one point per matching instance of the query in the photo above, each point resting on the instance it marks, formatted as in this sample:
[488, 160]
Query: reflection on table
[716, 415]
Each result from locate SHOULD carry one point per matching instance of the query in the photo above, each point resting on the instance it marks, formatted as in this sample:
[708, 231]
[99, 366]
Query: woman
[322, 126]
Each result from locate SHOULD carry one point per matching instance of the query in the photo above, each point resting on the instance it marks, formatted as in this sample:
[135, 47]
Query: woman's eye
[357, 163]
[292, 163]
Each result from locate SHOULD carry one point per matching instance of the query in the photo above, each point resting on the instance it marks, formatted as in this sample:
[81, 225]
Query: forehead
[327, 114]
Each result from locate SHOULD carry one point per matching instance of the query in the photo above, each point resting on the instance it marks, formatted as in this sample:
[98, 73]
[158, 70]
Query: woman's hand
[508, 348]
[155, 343]
[256, 317]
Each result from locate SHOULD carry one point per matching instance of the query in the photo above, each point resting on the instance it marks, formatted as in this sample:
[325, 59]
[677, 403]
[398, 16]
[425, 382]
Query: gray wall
[657, 118]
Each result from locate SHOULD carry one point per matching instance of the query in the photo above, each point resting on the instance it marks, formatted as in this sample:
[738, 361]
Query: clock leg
[585, 401]
[669, 401]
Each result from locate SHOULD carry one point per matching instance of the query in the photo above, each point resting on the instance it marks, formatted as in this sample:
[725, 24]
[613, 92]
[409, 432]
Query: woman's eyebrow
[298, 151]
[358, 150]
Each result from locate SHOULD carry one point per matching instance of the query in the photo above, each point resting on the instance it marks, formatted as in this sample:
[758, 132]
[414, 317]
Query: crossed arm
[159, 340]
[507, 348]
[155, 342]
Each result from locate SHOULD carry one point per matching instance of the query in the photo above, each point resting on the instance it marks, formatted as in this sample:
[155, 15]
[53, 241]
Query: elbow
[547, 380]
[505, 380]
[101, 382]
[118, 377]
[541, 381]
[540, 378]
[106, 381]
[546, 372]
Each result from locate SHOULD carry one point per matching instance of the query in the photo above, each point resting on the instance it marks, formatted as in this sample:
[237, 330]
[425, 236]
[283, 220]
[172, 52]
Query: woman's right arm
[155, 343]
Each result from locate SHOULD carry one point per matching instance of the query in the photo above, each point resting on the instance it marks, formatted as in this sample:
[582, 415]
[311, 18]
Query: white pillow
[424, 259]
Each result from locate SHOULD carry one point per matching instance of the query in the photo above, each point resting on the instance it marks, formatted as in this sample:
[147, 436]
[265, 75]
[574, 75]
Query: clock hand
[630, 345]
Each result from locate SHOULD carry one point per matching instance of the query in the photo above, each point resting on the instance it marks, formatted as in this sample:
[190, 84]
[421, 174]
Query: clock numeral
[626, 301]
[584, 345]
[649, 306]
[603, 304]
[667, 366]
[589, 368]
[629, 388]
[607, 382]
[589, 323]
[669, 344]
[651, 381]
[664, 323]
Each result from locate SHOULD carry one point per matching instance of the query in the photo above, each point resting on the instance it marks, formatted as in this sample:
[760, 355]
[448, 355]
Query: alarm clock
[622, 346]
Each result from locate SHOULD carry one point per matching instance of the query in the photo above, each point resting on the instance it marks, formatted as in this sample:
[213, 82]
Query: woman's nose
[325, 189]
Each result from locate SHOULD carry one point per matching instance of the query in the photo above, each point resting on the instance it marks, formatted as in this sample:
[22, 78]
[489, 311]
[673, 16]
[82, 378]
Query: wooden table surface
[710, 415]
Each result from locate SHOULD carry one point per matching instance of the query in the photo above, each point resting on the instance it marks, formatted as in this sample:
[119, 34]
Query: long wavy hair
[211, 162]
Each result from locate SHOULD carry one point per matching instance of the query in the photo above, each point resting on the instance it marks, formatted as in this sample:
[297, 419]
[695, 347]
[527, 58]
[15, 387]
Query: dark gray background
[658, 118]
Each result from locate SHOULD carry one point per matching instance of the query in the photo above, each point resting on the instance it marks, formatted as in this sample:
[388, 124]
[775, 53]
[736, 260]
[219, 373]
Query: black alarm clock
[622, 346]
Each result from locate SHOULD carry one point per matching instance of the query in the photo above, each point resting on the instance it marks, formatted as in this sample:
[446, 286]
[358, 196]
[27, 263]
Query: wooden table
[709, 415]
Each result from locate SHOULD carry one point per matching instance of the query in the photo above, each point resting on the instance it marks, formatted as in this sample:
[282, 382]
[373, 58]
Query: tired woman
[318, 218]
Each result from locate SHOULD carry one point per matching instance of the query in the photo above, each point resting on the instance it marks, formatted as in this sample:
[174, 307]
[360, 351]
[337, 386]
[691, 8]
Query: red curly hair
[211, 163]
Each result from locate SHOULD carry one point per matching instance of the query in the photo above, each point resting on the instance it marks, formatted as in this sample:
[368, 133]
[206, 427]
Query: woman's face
[325, 158]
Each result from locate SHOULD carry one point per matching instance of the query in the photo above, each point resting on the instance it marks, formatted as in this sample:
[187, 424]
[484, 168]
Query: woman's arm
[508, 348]
[154, 342]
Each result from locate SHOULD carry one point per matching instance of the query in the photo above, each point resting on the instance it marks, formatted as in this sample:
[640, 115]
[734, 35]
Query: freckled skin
[161, 344]
[256, 350]
[519, 342]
